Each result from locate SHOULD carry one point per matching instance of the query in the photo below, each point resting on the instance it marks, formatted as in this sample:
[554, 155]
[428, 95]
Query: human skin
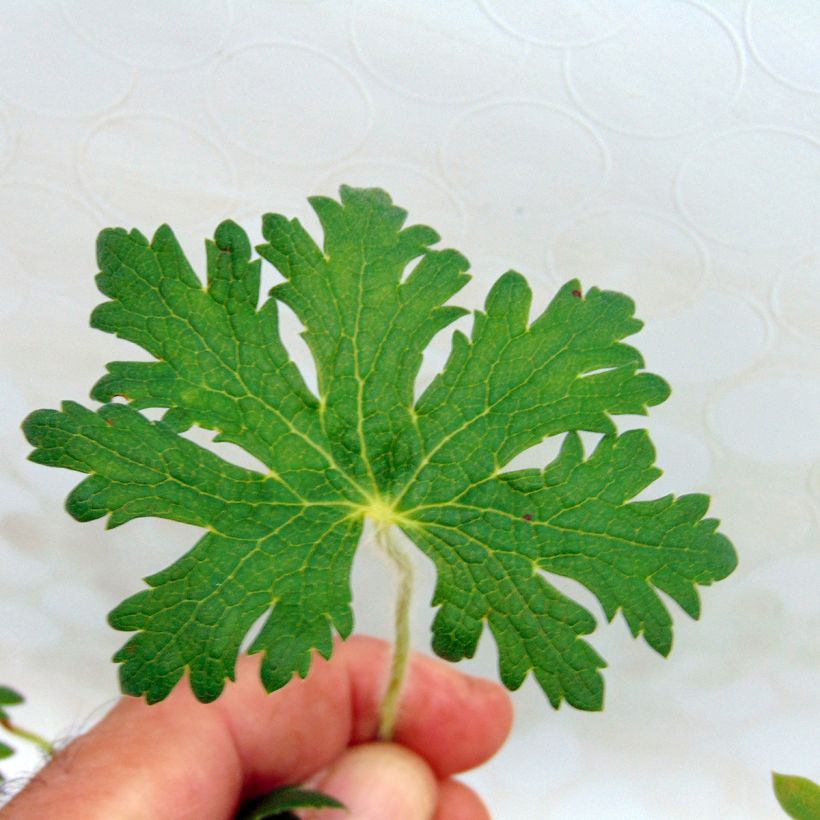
[181, 759]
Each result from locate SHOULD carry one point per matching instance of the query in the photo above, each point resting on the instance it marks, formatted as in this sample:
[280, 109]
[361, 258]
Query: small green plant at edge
[11, 697]
[280, 543]
[798, 796]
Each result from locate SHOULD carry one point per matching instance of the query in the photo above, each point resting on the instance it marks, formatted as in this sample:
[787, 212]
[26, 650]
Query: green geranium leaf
[280, 543]
[799, 796]
[278, 804]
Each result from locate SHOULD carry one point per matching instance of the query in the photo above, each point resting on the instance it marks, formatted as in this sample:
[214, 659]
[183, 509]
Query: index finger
[181, 758]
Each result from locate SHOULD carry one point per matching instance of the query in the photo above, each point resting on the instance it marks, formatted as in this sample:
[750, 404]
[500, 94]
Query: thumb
[378, 780]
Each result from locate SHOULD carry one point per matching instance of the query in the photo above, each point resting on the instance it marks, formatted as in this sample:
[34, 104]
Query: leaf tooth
[681, 590]
[508, 302]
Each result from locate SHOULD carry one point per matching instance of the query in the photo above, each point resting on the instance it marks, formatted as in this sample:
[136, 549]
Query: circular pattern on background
[425, 199]
[766, 507]
[524, 158]
[66, 78]
[744, 506]
[479, 57]
[298, 105]
[784, 41]
[47, 230]
[150, 169]
[772, 418]
[754, 189]
[713, 339]
[795, 573]
[685, 87]
[556, 23]
[796, 298]
[655, 260]
[153, 34]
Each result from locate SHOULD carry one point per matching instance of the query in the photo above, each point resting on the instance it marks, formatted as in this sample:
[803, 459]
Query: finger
[181, 758]
[459, 802]
[455, 722]
[452, 721]
[379, 780]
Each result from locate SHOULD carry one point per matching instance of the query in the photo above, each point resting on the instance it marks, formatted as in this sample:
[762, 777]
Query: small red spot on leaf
[109, 422]
[576, 294]
[527, 516]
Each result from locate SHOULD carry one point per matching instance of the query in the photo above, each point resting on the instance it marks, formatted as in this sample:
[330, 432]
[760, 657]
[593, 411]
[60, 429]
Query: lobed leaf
[278, 545]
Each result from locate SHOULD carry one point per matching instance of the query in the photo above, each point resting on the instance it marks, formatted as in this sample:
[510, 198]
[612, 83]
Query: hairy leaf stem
[401, 649]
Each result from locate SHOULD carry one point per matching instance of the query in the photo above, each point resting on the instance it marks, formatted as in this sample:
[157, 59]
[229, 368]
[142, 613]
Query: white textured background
[668, 148]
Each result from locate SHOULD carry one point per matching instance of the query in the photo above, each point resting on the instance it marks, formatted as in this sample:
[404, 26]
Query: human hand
[182, 759]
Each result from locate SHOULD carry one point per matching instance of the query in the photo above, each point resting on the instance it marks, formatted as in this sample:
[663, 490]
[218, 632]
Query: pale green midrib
[182, 377]
[248, 393]
[322, 401]
[373, 365]
[278, 369]
[313, 548]
[578, 332]
[357, 363]
[362, 377]
[217, 589]
[524, 604]
[622, 605]
[573, 531]
[454, 502]
[167, 477]
[453, 433]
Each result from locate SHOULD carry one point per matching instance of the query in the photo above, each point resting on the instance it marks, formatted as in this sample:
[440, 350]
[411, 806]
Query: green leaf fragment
[277, 804]
[9, 696]
[799, 796]
[280, 544]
